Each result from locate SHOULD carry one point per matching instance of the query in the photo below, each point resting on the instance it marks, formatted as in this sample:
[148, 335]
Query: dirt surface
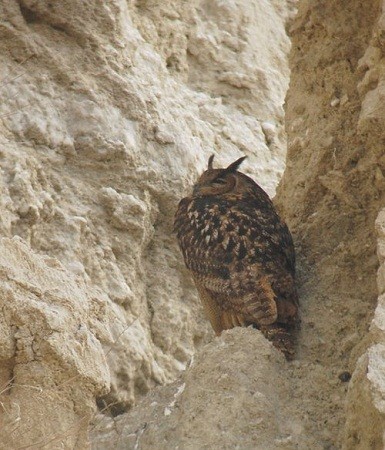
[331, 193]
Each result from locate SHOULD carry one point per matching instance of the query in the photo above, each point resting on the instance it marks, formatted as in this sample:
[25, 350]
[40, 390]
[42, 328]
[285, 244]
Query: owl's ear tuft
[210, 164]
[234, 166]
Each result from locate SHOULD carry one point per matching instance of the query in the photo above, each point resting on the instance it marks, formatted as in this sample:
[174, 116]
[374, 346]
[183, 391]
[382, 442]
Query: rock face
[331, 193]
[51, 354]
[365, 425]
[109, 111]
[229, 398]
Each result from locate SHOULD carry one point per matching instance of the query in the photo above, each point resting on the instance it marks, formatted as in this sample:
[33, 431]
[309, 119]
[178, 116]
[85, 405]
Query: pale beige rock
[331, 193]
[51, 357]
[364, 426]
[230, 397]
[109, 111]
[365, 423]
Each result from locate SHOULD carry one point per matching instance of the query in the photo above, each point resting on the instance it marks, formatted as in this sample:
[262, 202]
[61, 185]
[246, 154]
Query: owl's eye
[219, 181]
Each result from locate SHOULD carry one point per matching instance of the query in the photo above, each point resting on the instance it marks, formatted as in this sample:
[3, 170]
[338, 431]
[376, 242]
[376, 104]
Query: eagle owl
[240, 254]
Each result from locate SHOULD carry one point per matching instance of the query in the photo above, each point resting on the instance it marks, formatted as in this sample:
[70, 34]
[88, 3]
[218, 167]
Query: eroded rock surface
[51, 356]
[230, 397]
[109, 110]
[331, 193]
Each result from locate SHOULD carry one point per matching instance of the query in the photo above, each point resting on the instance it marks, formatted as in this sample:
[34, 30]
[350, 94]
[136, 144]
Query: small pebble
[335, 102]
[345, 376]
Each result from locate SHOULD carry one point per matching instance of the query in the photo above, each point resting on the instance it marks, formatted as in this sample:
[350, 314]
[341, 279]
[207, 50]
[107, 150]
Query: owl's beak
[195, 190]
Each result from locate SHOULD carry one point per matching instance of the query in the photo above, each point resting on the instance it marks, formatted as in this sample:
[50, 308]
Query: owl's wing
[242, 256]
[270, 243]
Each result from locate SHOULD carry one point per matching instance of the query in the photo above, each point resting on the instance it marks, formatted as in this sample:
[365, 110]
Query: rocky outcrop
[230, 397]
[109, 111]
[365, 418]
[52, 362]
[331, 193]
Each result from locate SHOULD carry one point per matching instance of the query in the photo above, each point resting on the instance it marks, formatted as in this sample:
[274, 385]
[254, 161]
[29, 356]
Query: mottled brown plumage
[240, 254]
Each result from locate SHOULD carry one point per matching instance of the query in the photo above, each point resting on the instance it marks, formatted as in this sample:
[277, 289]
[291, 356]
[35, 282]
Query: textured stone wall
[109, 110]
[331, 193]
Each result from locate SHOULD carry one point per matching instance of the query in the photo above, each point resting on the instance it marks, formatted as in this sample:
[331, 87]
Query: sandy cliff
[109, 110]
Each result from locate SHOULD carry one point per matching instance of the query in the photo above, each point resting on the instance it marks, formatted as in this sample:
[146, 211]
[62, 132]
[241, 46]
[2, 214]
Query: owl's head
[218, 181]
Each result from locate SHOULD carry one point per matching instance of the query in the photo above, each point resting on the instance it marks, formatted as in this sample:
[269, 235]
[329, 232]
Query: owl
[240, 254]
